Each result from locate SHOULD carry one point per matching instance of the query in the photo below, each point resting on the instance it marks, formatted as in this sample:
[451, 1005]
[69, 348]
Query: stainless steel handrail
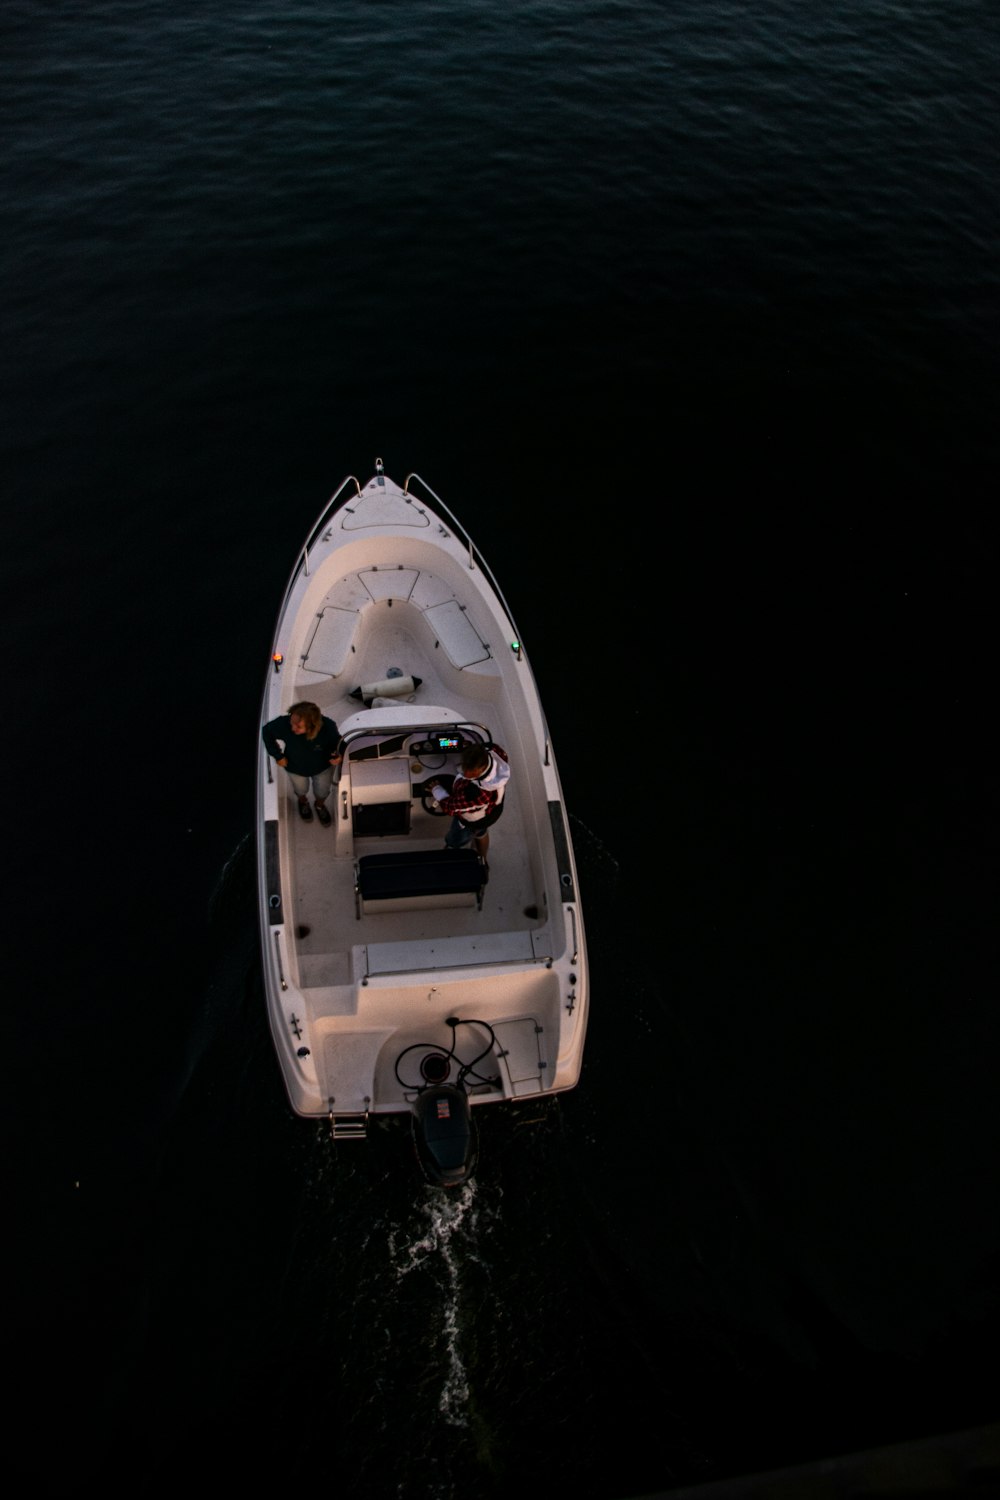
[401, 731]
[325, 513]
[576, 941]
[302, 562]
[474, 554]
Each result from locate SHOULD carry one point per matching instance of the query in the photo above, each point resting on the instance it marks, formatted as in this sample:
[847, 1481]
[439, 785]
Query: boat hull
[382, 957]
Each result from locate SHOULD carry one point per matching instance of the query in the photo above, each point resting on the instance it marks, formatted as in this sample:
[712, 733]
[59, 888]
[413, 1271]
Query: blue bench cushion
[420, 872]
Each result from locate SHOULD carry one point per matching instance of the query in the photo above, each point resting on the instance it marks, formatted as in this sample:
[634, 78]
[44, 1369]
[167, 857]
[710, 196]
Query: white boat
[401, 977]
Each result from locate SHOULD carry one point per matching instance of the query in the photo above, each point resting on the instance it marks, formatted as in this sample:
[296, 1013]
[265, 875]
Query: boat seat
[418, 878]
[329, 647]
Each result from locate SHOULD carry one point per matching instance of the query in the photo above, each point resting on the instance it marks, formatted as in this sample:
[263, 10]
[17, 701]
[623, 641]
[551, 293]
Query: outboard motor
[444, 1135]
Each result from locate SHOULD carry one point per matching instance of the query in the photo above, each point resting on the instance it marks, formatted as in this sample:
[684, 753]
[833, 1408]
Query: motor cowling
[444, 1135]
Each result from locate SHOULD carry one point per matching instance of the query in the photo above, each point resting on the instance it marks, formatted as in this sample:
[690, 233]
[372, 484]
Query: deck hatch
[330, 643]
[458, 636]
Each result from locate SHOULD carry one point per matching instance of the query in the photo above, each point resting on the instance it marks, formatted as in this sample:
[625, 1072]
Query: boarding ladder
[348, 1127]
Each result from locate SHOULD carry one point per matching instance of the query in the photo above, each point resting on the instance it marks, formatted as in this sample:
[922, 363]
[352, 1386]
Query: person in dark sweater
[307, 745]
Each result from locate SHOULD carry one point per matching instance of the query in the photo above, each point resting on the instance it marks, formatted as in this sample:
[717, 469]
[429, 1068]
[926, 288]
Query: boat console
[389, 772]
[388, 775]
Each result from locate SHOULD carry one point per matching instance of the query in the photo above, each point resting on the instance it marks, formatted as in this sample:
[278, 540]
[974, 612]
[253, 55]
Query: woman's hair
[310, 716]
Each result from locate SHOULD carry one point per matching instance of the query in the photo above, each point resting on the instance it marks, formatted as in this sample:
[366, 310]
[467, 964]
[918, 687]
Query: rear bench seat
[418, 878]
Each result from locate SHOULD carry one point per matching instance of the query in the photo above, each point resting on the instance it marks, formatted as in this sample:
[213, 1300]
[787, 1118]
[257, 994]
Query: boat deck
[329, 921]
[373, 984]
[325, 922]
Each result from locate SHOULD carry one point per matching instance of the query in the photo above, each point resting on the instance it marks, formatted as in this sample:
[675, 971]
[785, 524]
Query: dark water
[728, 270]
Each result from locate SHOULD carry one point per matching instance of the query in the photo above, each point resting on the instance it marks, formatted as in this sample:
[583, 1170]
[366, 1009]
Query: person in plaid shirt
[476, 798]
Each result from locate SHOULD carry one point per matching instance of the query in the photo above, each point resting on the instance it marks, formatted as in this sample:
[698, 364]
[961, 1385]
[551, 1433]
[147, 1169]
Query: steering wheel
[428, 800]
